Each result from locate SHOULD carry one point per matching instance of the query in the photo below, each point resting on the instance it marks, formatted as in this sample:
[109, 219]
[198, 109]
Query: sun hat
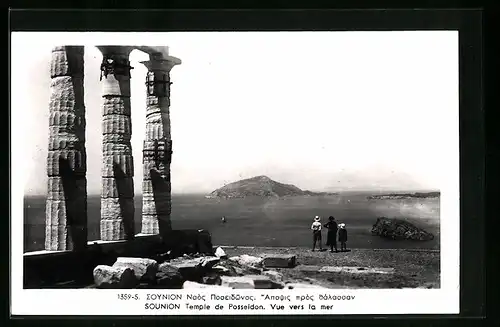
[317, 218]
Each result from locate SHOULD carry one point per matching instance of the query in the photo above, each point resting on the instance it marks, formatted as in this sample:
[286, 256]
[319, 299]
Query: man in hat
[316, 228]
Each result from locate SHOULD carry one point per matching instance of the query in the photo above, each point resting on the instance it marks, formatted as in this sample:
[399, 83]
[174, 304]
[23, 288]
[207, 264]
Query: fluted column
[66, 206]
[117, 190]
[157, 150]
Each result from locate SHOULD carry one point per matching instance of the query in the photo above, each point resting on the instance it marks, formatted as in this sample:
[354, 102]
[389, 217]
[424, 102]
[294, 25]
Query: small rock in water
[114, 277]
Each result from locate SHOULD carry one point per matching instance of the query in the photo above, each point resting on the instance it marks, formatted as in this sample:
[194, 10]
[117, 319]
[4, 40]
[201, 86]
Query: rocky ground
[272, 268]
[411, 268]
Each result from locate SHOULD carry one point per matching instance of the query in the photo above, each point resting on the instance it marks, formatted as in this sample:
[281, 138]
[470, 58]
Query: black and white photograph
[255, 162]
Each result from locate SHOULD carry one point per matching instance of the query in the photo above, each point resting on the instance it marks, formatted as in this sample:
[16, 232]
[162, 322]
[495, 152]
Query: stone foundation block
[247, 260]
[114, 277]
[144, 269]
[249, 281]
[280, 261]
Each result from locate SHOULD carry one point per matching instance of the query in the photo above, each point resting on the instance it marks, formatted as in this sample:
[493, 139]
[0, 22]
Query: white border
[104, 302]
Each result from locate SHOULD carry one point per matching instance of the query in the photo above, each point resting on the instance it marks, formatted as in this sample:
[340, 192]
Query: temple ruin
[66, 208]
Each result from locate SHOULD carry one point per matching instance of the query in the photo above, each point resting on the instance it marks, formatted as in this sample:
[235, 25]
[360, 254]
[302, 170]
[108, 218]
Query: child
[331, 238]
[316, 228]
[342, 237]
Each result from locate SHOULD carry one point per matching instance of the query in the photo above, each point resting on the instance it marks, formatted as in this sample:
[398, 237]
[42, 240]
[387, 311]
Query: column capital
[110, 50]
[161, 64]
[115, 60]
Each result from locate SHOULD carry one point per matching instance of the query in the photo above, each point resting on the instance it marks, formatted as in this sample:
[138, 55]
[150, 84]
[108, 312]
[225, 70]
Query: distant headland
[261, 186]
[398, 196]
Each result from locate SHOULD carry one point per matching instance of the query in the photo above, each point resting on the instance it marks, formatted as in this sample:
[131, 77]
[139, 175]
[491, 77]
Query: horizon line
[388, 191]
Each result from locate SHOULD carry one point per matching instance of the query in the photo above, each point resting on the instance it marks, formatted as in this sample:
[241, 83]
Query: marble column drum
[66, 206]
[117, 190]
[157, 150]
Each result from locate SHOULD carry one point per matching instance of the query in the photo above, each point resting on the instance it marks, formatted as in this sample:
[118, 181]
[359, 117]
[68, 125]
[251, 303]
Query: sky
[325, 111]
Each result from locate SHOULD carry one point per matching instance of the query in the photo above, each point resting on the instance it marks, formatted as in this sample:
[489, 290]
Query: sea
[257, 221]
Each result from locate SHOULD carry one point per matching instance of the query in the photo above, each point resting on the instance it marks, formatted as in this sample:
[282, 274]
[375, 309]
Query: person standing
[331, 237]
[342, 237]
[316, 228]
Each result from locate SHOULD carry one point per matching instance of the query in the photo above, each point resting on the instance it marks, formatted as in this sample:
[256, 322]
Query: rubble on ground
[194, 271]
[144, 269]
[210, 271]
[114, 277]
[220, 253]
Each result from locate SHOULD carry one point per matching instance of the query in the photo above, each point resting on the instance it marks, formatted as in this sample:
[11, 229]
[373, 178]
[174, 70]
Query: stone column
[117, 192]
[157, 150]
[66, 207]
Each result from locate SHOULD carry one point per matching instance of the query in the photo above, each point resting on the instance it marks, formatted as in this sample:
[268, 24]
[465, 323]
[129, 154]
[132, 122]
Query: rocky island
[262, 186]
[398, 196]
[398, 229]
